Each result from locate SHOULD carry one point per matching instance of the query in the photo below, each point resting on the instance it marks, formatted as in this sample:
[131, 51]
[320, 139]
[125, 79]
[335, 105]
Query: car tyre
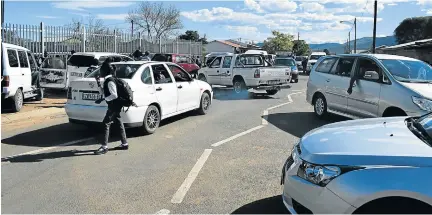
[320, 106]
[239, 86]
[152, 119]
[17, 101]
[272, 92]
[205, 104]
[296, 81]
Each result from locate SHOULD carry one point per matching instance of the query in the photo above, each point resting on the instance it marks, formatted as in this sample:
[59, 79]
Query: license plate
[76, 74]
[273, 82]
[91, 96]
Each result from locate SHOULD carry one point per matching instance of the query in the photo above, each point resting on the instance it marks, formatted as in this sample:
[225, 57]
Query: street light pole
[374, 29]
[349, 42]
[355, 35]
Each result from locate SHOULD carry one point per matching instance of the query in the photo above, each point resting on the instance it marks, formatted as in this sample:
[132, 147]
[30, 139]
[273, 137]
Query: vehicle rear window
[54, 63]
[82, 61]
[13, 58]
[284, 62]
[251, 60]
[124, 71]
[162, 58]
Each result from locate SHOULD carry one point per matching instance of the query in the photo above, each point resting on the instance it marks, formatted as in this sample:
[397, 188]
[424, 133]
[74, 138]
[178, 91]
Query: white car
[368, 166]
[160, 90]
[312, 59]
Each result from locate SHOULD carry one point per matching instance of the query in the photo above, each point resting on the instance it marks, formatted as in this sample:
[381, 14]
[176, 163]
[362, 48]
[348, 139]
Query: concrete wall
[218, 47]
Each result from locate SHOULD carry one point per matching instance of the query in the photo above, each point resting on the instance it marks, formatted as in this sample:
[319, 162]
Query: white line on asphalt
[163, 211]
[264, 118]
[181, 192]
[236, 136]
[47, 148]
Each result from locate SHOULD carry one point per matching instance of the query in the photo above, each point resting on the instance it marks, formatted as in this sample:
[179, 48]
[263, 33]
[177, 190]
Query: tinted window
[124, 71]
[23, 59]
[33, 64]
[216, 63]
[181, 59]
[326, 65]
[227, 62]
[13, 58]
[409, 70]
[250, 60]
[343, 67]
[146, 76]
[179, 74]
[162, 58]
[161, 74]
[82, 61]
[284, 62]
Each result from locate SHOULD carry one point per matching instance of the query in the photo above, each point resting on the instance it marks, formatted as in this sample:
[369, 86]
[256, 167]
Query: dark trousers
[113, 116]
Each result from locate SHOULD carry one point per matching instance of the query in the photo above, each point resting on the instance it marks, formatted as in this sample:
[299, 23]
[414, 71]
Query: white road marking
[47, 148]
[237, 136]
[183, 189]
[264, 120]
[163, 211]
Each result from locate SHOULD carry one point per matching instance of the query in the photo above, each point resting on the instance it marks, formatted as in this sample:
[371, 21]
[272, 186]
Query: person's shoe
[123, 146]
[102, 150]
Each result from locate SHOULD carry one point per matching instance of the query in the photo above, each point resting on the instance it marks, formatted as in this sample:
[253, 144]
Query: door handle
[158, 89]
[22, 74]
[217, 71]
[180, 86]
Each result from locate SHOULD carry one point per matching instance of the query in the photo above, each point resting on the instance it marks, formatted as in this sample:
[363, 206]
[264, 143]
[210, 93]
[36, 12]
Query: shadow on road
[299, 123]
[271, 205]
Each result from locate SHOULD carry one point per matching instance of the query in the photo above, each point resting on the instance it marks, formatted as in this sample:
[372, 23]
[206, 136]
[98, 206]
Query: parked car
[77, 66]
[368, 166]
[184, 61]
[20, 76]
[245, 71]
[312, 59]
[383, 86]
[288, 63]
[161, 90]
[298, 61]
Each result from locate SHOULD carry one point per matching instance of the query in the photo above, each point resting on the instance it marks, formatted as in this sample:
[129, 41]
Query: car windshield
[284, 62]
[125, 71]
[315, 57]
[409, 70]
[82, 61]
[421, 127]
[54, 63]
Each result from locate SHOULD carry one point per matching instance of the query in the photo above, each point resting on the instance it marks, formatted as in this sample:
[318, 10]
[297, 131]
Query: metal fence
[62, 40]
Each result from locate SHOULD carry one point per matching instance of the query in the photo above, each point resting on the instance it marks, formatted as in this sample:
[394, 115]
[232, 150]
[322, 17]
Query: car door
[166, 89]
[337, 84]
[187, 89]
[213, 71]
[25, 70]
[14, 71]
[226, 71]
[364, 99]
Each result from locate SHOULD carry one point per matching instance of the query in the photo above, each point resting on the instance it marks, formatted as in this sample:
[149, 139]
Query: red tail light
[5, 81]
[257, 73]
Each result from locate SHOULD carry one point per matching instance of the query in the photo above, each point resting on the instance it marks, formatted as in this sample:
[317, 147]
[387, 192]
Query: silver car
[367, 166]
[382, 86]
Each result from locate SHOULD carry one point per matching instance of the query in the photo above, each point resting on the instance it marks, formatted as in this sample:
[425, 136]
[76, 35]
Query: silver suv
[370, 85]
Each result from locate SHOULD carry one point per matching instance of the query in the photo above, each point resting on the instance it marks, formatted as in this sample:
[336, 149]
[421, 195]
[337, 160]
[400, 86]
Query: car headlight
[422, 103]
[317, 174]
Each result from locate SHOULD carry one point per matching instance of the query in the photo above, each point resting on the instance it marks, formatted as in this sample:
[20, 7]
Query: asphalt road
[228, 161]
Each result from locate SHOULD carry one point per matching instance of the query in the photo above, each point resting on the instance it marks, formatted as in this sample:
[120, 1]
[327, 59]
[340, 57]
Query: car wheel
[202, 77]
[17, 101]
[320, 106]
[272, 92]
[205, 104]
[239, 86]
[152, 119]
[296, 81]
[40, 95]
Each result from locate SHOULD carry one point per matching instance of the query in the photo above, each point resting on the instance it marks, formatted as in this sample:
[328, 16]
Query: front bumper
[301, 196]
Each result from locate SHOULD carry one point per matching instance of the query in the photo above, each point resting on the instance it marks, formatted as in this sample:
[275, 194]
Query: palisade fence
[62, 40]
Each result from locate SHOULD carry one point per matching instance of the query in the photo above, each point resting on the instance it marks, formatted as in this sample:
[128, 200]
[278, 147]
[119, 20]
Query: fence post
[42, 36]
[190, 47]
[83, 40]
[177, 46]
[115, 41]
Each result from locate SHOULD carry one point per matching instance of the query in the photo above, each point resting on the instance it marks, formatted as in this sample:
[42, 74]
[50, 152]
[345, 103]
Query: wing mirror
[371, 75]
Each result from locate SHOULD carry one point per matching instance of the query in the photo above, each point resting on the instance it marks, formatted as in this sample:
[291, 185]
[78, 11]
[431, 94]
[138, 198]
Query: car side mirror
[371, 75]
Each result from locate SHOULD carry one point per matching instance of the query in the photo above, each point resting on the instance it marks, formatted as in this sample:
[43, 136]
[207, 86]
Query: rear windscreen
[124, 71]
[54, 63]
[82, 61]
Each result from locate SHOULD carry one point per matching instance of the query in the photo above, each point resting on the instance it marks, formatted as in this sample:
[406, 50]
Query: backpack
[124, 93]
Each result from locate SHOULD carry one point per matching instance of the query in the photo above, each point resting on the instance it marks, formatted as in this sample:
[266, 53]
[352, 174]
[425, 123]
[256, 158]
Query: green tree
[279, 42]
[300, 48]
[193, 36]
[412, 29]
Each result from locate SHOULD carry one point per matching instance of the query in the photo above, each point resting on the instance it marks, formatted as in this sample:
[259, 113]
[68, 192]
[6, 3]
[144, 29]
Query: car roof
[318, 53]
[381, 56]
[97, 54]
[8, 45]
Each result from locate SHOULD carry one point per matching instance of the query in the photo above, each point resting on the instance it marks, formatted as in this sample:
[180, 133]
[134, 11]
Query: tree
[412, 29]
[279, 42]
[327, 51]
[193, 36]
[94, 29]
[155, 20]
[300, 48]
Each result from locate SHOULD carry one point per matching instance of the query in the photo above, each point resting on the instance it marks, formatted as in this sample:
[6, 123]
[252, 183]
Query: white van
[312, 59]
[56, 74]
[20, 76]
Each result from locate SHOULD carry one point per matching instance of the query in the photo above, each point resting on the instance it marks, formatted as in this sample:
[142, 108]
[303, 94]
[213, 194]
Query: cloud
[253, 5]
[243, 30]
[312, 6]
[48, 17]
[271, 5]
[392, 4]
[429, 12]
[83, 5]
[121, 16]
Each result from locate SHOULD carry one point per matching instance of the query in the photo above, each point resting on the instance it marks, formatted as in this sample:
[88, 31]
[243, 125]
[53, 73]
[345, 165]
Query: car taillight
[257, 73]
[69, 93]
[5, 81]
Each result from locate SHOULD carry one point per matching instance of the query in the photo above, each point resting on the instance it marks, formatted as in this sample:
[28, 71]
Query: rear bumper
[89, 123]
[271, 87]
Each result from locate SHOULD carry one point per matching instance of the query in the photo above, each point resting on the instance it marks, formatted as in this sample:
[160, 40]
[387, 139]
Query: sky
[316, 21]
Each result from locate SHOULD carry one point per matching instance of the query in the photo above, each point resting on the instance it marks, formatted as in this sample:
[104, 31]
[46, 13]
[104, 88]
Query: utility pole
[349, 42]
[132, 27]
[355, 35]
[374, 29]
[2, 12]
[298, 36]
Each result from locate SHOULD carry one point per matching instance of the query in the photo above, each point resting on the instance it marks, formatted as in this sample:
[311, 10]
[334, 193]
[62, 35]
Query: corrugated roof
[230, 44]
[406, 45]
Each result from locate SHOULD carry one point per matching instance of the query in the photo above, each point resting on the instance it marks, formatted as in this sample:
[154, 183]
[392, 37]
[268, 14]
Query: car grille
[300, 209]
[298, 149]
